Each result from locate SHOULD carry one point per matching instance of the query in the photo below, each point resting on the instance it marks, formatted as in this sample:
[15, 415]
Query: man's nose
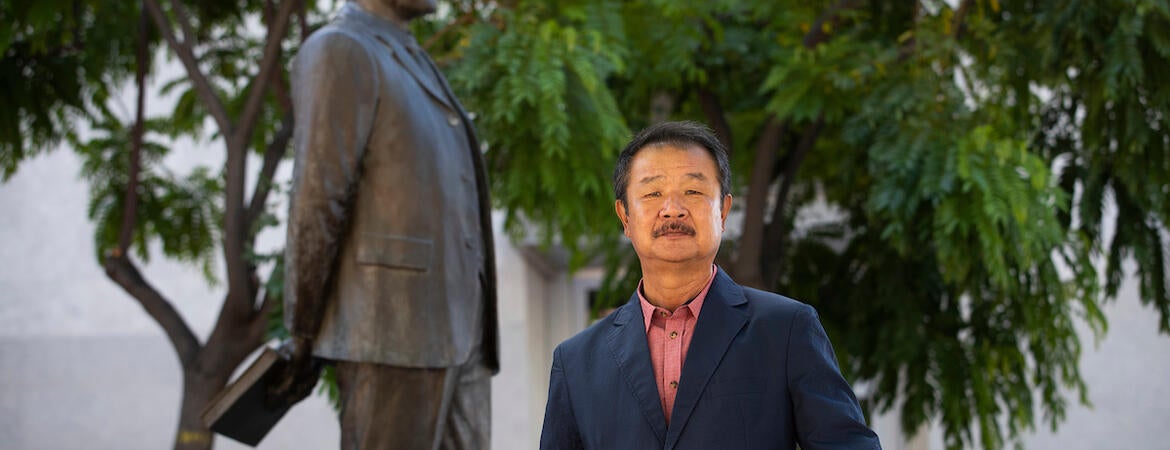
[672, 208]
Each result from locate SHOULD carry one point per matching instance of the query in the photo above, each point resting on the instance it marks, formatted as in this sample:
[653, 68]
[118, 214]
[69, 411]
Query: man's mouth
[674, 228]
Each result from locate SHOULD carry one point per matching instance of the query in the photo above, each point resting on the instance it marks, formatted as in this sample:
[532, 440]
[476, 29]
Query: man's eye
[693, 192]
[652, 194]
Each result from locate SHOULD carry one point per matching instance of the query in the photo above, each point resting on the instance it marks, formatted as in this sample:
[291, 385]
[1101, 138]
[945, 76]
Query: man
[695, 361]
[389, 263]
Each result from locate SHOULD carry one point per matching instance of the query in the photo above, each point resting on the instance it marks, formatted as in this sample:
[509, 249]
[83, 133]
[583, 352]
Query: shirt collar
[694, 305]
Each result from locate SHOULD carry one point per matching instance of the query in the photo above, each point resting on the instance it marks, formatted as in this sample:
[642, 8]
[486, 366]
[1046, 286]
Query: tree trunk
[747, 258]
[233, 339]
[198, 390]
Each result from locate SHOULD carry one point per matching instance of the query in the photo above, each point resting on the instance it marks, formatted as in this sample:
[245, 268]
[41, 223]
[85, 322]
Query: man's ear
[726, 209]
[619, 207]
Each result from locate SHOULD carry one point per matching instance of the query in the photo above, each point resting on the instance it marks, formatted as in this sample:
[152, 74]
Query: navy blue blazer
[759, 374]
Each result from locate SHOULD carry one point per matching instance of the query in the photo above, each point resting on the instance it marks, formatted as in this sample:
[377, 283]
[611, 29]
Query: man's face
[675, 214]
[411, 9]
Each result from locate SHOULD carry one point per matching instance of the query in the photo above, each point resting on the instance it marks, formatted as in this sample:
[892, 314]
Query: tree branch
[748, 258]
[713, 110]
[240, 296]
[187, 57]
[774, 236]
[272, 157]
[959, 21]
[303, 19]
[828, 21]
[661, 106]
[283, 99]
[462, 20]
[130, 205]
[184, 20]
[121, 270]
[277, 28]
[238, 332]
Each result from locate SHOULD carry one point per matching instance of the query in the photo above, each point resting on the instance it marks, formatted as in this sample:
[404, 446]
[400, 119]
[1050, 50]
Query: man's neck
[673, 285]
[381, 9]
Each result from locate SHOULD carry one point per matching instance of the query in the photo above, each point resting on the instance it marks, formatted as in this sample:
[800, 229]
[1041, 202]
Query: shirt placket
[672, 356]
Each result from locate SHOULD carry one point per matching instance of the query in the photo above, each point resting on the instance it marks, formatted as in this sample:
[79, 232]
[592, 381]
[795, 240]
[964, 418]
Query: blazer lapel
[627, 344]
[723, 315]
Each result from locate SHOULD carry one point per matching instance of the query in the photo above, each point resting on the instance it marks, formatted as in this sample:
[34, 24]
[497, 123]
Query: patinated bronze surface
[389, 259]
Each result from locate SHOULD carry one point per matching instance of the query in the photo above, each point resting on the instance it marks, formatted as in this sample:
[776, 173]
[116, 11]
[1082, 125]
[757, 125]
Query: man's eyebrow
[692, 175]
[649, 179]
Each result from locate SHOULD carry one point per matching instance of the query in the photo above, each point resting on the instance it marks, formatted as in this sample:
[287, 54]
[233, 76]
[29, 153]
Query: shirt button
[673, 334]
[662, 313]
[674, 385]
[453, 120]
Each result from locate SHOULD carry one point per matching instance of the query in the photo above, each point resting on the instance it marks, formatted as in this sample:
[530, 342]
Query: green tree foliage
[932, 175]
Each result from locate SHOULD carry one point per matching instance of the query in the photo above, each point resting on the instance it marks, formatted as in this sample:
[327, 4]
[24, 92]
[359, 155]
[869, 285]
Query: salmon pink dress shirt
[669, 336]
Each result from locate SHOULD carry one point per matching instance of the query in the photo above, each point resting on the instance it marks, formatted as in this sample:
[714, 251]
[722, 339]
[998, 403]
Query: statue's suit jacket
[389, 256]
[759, 374]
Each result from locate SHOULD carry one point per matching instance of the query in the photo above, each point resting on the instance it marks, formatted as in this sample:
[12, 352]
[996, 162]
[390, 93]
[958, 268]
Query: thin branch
[828, 21]
[130, 205]
[959, 21]
[272, 157]
[184, 20]
[121, 270]
[187, 56]
[303, 18]
[462, 20]
[661, 106]
[281, 90]
[269, 63]
[713, 110]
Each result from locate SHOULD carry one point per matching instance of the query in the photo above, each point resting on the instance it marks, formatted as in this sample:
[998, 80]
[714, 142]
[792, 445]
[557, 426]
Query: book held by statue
[240, 411]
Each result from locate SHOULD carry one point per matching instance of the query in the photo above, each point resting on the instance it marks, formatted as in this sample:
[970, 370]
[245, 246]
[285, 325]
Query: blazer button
[453, 120]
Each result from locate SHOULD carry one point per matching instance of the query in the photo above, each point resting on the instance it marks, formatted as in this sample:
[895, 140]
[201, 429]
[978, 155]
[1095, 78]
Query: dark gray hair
[678, 134]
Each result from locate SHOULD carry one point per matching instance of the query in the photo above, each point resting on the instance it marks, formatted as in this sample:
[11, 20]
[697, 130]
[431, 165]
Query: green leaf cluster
[182, 213]
[550, 126]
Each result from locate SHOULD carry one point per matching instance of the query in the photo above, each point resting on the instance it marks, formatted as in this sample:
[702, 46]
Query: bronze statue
[390, 271]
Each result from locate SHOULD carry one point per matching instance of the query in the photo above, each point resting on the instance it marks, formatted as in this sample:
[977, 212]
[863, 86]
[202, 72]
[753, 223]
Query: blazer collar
[724, 315]
[405, 50]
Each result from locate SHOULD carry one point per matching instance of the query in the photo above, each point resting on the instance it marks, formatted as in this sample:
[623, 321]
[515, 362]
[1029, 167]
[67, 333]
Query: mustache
[674, 226]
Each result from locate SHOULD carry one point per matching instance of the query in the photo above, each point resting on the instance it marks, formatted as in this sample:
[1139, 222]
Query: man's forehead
[665, 155]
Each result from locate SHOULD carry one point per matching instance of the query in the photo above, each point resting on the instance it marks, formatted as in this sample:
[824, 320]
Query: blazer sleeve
[827, 414]
[334, 102]
[560, 425]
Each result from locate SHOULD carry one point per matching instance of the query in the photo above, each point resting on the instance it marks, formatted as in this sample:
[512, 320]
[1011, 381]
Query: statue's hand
[299, 376]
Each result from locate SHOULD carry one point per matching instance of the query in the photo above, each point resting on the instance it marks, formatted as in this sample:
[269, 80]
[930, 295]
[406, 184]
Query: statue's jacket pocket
[395, 251]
